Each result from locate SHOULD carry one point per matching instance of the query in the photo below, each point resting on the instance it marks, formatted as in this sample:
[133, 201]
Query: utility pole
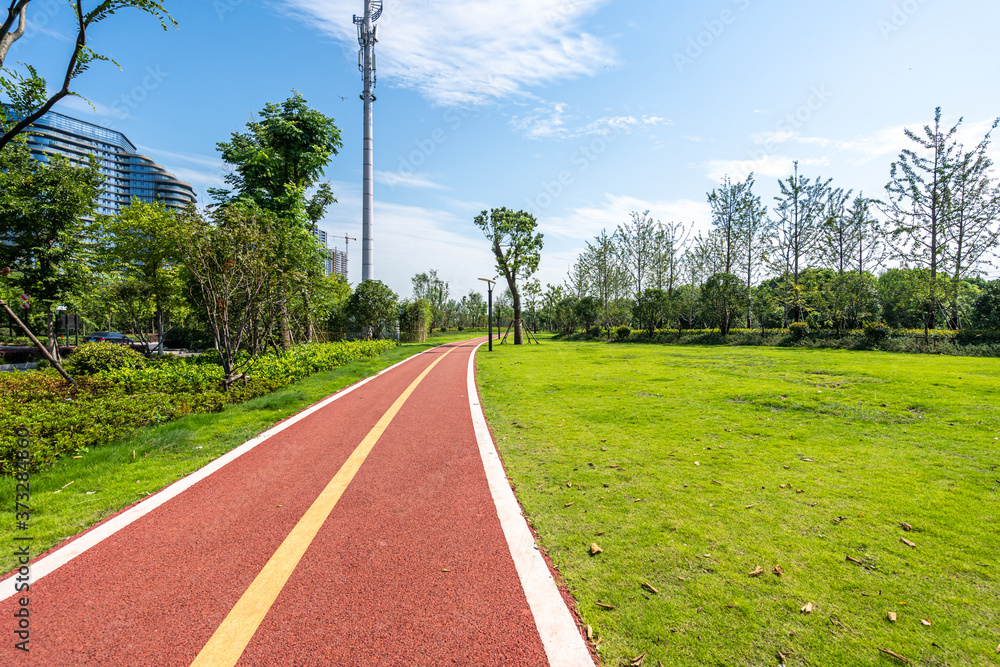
[367, 37]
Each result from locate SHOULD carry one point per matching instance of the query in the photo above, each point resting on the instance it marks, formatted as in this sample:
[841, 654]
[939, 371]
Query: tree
[636, 244]
[28, 92]
[986, 312]
[139, 249]
[607, 277]
[228, 267]
[430, 288]
[973, 213]
[723, 299]
[586, 311]
[741, 230]
[799, 213]
[373, 306]
[44, 212]
[517, 249]
[919, 193]
[274, 163]
[650, 309]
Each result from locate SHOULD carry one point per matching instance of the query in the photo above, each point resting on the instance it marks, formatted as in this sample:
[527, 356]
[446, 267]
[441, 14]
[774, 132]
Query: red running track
[410, 568]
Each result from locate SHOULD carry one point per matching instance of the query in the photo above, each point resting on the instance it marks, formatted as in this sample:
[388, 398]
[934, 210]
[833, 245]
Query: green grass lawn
[76, 493]
[692, 466]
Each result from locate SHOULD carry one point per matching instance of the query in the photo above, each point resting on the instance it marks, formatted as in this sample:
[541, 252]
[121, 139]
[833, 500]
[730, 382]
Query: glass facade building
[127, 174]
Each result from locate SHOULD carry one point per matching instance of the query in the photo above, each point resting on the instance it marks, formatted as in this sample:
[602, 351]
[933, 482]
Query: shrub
[595, 332]
[876, 332]
[623, 332]
[798, 330]
[92, 358]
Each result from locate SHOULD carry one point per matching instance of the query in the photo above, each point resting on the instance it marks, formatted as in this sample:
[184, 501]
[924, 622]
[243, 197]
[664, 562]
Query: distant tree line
[820, 254]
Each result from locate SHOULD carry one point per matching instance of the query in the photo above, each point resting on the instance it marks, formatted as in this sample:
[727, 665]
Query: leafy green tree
[723, 299]
[432, 289]
[28, 91]
[139, 249]
[986, 312]
[799, 212]
[229, 273]
[517, 249]
[651, 308]
[275, 162]
[45, 209]
[636, 244]
[586, 311]
[414, 320]
[373, 306]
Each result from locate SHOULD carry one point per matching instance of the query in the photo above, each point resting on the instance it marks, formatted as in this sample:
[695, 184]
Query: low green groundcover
[113, 402]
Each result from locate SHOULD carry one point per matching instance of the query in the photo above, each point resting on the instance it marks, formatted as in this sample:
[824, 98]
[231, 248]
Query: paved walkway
[376, 528]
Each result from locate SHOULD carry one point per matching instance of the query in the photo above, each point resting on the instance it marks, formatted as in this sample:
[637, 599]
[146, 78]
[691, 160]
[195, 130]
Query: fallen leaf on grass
[998, 649]
[569, 504]
[925, 621]
[905, 526]
[590, 633]
[808, 609]
[594, 549]
[609, 607]
[894, 655]
[569, 484]
[839, 519]
[649, 587]
[756, 572]
[638, 660]
[777, 570]
[714, 482]
[696, 463]
[854, 560]
[749, 506]
[907, 542]
[891, 616]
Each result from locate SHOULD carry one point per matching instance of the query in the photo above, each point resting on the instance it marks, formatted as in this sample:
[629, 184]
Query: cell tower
[367, 38]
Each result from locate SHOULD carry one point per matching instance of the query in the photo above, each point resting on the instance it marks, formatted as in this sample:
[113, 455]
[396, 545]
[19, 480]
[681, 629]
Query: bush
[623, 332]
[595, 332]
[798, 330]
[111, 403]
[876, 332]
[92, 358]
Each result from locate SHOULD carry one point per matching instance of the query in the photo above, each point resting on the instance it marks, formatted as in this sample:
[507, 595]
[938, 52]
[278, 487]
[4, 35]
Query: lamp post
[489, 316]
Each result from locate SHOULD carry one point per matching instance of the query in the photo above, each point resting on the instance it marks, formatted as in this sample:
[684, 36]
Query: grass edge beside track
[76, 493]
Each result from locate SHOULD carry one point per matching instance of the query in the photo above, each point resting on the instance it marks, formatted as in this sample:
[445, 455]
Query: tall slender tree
[517, 249]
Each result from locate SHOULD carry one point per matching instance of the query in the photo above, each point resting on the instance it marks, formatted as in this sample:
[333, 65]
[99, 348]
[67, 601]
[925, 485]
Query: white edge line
[60, 557]
[564, 646]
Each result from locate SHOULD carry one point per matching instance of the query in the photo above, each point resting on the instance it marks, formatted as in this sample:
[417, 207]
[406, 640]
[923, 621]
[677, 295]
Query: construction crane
[347, 242]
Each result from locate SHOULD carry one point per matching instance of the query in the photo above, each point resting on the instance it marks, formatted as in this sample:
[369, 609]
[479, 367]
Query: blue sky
[577, 110]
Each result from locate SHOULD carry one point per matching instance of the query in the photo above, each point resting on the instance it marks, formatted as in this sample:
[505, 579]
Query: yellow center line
[231, 638]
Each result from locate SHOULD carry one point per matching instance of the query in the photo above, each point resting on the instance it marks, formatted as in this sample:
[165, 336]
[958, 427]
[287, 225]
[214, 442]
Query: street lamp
[489, 316]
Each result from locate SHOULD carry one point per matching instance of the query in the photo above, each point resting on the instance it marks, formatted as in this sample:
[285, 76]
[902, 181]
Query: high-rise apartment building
[127, 174]
[334, 261]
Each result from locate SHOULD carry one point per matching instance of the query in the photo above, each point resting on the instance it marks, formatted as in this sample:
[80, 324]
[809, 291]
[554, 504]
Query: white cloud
[587, 222]
[470, 52]
[394, 179]
[773, 166]
[550, 122]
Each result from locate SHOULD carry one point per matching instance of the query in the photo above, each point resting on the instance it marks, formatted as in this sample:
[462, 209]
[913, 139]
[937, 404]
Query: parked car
[109, 337]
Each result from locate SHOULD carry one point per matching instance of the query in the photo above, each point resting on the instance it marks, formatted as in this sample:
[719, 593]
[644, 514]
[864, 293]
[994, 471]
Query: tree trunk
[55, 362]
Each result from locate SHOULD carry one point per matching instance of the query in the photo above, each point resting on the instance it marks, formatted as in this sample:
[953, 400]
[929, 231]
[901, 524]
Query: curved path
[375, 528]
